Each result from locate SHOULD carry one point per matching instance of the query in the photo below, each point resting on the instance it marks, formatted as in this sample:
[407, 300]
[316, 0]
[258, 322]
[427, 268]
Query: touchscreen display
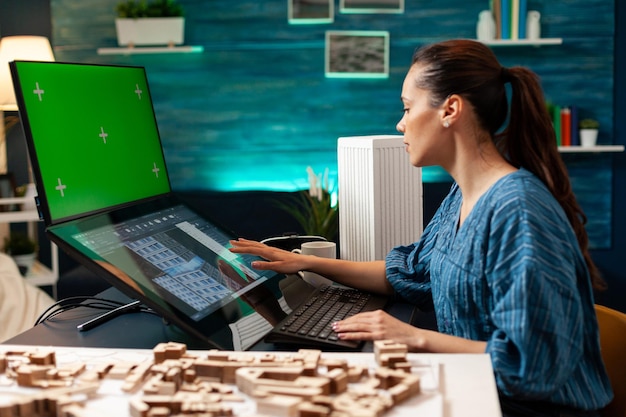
[180, 262]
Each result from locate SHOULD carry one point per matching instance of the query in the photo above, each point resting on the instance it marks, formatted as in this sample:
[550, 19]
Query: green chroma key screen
[94, 134]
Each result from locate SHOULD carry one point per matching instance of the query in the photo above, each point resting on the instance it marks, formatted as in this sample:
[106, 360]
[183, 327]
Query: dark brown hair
[471, 69]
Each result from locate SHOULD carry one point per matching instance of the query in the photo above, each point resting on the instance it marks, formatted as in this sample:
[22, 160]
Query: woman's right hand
[278, 260]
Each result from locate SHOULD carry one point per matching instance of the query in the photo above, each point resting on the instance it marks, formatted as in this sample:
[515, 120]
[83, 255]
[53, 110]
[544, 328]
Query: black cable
[71, 303]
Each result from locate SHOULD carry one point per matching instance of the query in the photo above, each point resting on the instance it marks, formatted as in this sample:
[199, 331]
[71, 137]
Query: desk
[466, 383]
[453, 385]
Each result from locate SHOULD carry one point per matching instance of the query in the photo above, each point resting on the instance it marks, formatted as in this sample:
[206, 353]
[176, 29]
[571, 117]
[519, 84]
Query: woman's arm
[378, 325]
[368, 276]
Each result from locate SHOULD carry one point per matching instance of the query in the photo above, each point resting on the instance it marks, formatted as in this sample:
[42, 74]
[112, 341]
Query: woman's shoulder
[522, 188]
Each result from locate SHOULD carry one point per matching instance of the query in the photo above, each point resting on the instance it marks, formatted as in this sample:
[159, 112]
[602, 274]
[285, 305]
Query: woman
[504, 262]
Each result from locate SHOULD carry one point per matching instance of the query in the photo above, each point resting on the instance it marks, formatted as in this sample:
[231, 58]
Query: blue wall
[259, 87]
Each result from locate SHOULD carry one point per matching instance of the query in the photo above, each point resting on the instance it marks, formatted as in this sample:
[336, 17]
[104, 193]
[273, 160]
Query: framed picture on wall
[357, 54]
[310, 11]
[371, 6]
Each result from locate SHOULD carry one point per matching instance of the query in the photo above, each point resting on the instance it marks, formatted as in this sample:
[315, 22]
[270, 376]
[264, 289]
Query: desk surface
[134, 330]
[452, 385]
[466, 382]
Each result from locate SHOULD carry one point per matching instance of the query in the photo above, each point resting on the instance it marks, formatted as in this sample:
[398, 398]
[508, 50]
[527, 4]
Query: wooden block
[138, 408]
[338, 380]
[386, 347]
[169, 350]
[166, 388]
[301, 392]
[331, 364]
[42, 358]
[403, 366]
[159, 412]
[120, 370]
[31, 375]
[307, 409]
[71, 370]
[278, 406]
[390, 359]
[137, 375]
[356, 373]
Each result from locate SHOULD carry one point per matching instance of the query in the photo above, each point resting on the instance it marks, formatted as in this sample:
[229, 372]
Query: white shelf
[150, 50]
[591, 149]
[524, 42]
[39, 274]
[19, 216]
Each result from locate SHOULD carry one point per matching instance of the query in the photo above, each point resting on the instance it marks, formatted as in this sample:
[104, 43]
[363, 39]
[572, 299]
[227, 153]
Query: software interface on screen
[95, 135]
[177, 254]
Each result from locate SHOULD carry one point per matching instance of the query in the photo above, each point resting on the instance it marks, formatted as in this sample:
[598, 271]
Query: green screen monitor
[92, 136]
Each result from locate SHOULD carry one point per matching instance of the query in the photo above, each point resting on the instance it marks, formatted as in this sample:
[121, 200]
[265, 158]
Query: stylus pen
[96, 321]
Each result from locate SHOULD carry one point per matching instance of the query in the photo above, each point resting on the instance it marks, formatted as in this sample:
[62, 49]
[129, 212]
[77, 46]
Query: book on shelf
[574, 126]
[566, 127]
[556, 121]
[497, 17]
[510, 18]
[523, 12]
[514, 19]
[505, 21]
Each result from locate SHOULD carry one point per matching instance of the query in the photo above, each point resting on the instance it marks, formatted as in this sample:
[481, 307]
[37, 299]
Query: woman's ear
[451, 108]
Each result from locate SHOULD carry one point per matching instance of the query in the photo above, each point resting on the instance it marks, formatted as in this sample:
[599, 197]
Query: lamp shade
[27, 48]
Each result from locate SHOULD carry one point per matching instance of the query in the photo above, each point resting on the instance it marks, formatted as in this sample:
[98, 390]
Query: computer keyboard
[310, 323]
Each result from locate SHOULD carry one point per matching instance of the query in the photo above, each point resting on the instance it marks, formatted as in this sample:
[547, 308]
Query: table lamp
[28, 48]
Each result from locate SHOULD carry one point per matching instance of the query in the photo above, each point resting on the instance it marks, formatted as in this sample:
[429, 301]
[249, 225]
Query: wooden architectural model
[181, 383]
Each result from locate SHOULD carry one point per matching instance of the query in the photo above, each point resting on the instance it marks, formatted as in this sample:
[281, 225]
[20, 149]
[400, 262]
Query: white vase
[533, 24]
[588, 137]
[25, 262]
[150, 31]
[30, 195]
[486, 26]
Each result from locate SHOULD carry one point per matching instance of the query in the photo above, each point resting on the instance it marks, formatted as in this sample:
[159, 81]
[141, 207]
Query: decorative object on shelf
[533, 25]
[588, 132]
[22, 249]
[160, 22]
[29, 192]
[313, 208]
[486, 26]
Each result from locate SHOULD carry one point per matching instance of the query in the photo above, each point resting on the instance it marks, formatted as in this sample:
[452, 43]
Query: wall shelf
[39, 275]
[524, 42]
[591, 149]
[150, 50]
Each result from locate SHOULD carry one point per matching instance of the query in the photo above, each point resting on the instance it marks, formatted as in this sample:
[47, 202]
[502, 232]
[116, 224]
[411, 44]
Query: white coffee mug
[323, 249]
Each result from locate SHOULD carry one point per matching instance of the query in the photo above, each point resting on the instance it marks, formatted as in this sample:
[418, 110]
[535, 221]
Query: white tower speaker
[380, 197]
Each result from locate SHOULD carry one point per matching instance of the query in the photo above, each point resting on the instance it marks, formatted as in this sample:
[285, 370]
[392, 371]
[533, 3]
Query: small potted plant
[139, 22]
[313, 208]
[22, 249]
[588, 129]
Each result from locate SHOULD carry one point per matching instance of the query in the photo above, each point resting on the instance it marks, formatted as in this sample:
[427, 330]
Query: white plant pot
[25, 262]
[588, 137]
[150, 31]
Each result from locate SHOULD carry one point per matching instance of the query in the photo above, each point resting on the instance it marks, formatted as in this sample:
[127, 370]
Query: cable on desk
[71, 303]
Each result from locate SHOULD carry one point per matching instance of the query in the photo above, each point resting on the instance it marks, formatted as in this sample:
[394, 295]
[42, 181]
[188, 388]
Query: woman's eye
[405, 110]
